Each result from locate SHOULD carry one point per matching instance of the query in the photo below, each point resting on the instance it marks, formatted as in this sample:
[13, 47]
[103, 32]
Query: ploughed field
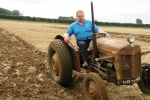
[23, 63]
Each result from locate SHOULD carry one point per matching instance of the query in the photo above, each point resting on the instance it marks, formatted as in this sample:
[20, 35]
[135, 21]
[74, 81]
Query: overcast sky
[122, 11]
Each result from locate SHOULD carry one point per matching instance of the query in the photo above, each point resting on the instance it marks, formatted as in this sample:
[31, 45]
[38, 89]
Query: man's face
[80, 17]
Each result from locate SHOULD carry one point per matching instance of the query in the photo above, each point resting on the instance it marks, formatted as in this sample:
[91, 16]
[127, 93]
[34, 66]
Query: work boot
[85, 64]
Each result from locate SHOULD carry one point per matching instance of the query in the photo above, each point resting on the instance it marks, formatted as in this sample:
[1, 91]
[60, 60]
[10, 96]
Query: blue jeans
[83, 46]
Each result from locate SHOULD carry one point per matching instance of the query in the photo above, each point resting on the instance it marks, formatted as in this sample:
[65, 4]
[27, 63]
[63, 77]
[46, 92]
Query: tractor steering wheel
[98, 35]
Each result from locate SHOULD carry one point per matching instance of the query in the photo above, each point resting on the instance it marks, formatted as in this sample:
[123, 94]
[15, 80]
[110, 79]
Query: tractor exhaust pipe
[94, 34]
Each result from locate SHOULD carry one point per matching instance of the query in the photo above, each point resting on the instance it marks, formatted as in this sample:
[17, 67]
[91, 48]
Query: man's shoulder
[87, 21]
[74, 23]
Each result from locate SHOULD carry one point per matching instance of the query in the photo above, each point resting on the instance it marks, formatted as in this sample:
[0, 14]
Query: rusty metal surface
[111, 46]
[118, 69]
[75, 57]
[127, 59]
[128, 68]
[108, 58]
[144, 53]
[131, 68]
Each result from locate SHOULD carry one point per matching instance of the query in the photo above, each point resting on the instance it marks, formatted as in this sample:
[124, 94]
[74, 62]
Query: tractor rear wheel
[60, 62]
[144, 84]
[94, 87]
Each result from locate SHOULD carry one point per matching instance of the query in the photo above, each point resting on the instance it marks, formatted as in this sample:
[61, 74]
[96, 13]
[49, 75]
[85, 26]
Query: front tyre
[94, 87]
[144, 84]
[60, 62]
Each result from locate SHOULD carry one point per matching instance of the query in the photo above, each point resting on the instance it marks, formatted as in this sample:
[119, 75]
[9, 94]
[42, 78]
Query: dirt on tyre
[60, 62]
[94, 87]
[144, 84]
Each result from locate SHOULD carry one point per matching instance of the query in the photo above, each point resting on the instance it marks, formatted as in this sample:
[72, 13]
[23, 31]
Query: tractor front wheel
[94, 87]
[144, 84]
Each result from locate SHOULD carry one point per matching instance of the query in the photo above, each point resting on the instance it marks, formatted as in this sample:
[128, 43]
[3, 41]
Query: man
[82, 29]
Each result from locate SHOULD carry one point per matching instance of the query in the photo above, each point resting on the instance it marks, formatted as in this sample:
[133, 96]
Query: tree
[16, 12]
[66, 18]
[5, 11]
[138, 21]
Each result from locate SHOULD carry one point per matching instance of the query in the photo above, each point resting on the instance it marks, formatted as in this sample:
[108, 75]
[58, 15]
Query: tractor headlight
[131, 38]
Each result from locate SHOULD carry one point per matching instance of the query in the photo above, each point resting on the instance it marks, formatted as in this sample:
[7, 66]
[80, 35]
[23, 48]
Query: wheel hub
[55, 63]
[92, 92]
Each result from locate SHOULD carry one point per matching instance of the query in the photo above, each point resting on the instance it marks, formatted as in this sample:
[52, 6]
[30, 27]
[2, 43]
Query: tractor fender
[73, 52]
[59, 37]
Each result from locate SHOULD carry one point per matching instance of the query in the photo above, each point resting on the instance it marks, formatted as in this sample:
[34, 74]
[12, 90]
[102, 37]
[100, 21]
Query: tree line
[8, 12]
[16, 15]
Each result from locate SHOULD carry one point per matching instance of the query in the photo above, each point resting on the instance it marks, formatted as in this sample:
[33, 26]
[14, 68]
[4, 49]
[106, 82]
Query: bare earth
[23, 69]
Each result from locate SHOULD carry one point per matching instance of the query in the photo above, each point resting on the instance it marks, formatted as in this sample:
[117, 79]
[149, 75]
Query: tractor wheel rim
[55, 64]
[93, 91]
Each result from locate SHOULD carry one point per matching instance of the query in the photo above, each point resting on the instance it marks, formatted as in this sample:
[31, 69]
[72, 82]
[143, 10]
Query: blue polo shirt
[81, 32]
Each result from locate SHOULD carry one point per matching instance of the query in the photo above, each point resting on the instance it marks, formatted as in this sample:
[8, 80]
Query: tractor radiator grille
[131, 66]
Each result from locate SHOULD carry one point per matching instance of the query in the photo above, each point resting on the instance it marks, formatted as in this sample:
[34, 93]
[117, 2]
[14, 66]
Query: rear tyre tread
[145, 86]
[65, 75]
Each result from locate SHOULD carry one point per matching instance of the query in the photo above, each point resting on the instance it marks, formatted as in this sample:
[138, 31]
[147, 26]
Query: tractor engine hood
[111, 46]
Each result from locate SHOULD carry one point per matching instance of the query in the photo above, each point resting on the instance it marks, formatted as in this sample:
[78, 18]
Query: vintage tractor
[111, 60]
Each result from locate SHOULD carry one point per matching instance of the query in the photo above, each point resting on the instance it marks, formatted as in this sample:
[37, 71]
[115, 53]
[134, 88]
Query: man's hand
[101, 31]
[66, 37]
